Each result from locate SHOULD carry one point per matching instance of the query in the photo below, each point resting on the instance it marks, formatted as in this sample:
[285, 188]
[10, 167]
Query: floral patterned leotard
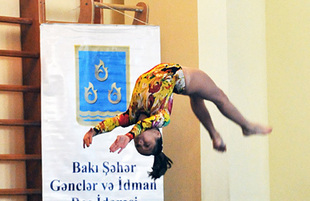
[152, 96]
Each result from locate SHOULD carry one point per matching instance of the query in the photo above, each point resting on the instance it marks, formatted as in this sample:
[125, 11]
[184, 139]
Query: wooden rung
[19, 157]
[18, 88]
[20, 191]
[15, 20]
[118, 7]
[24, 54]
[19, 122]
[59, 22]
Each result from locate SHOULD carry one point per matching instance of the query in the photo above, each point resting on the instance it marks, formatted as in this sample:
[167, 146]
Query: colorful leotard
[152, 96]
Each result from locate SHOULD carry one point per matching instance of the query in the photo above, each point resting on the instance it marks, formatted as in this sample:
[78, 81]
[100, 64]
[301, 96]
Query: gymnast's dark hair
[161, 162]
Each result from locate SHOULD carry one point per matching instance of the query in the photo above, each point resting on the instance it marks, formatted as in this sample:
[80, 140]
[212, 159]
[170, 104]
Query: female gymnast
[150, 109]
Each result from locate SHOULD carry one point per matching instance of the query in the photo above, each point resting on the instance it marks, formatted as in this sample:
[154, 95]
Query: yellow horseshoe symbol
[98, 71]
[117, 93]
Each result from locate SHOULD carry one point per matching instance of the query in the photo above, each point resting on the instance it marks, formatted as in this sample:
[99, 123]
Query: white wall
[288, 59]
[232, 52]
[248, 89]
[212, 31]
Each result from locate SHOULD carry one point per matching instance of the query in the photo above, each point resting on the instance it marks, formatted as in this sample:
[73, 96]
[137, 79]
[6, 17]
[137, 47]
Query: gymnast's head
[150, 142]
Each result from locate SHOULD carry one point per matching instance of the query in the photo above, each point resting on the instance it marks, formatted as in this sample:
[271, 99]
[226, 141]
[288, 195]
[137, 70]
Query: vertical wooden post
[86, 11]
[30, 41]
[98, 18]
[42, 14]
[143, 16]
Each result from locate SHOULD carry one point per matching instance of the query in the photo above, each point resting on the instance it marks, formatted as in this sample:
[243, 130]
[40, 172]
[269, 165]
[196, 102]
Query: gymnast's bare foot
[218, 143]
[254, 129]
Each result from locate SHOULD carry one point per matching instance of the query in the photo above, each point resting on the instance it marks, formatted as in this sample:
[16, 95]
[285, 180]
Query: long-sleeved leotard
[152, 96]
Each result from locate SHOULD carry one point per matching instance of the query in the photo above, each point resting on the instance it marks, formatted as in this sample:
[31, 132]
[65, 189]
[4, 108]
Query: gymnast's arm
[160, 119]
[107, 125]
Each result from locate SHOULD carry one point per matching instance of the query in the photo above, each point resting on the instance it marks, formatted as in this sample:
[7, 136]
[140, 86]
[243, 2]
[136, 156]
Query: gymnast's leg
[200, 84]
[202, 113]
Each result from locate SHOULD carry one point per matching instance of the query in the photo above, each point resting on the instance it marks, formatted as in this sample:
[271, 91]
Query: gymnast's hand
[120, 143]
[88, 138]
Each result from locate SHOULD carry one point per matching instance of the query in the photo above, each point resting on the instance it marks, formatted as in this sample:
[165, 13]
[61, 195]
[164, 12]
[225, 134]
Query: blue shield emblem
[102, 82]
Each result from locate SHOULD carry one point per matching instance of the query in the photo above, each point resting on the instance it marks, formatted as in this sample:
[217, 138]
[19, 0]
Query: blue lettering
[76, 167]
[131, 185]
[56, 185]
[117, 168]
[89, 168]
[105, 167]
[108, 186]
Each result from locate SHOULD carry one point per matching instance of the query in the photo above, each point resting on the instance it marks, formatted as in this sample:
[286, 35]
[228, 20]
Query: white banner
[88, 73]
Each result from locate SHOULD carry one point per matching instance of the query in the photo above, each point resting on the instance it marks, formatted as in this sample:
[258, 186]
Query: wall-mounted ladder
[29, 21]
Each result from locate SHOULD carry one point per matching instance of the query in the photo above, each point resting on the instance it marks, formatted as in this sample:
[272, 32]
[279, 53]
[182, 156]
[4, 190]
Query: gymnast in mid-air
[150, 108]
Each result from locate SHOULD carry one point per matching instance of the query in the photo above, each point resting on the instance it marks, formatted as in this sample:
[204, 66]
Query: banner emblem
[102, 74]
[98, 70]
[90, 91]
